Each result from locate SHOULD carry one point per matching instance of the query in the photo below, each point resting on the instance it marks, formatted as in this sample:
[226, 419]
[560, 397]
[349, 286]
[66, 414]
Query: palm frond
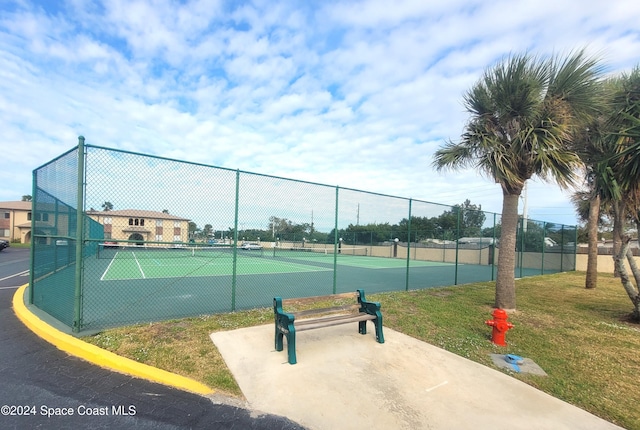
[524, 113]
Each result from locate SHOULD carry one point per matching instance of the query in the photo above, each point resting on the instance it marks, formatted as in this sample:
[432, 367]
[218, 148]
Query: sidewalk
[349, 381]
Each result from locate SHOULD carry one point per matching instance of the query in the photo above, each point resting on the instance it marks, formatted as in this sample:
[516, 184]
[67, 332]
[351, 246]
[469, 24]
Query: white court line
[10, 288]
[13, 276]
[138, 263]
[109, 266]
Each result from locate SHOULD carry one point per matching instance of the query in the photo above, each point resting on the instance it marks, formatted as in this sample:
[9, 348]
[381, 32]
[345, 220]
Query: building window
[7, 215]
[136, 221]
[39, 216]
[28, 216]
[107, 220]
[4, 232]
[158, 223]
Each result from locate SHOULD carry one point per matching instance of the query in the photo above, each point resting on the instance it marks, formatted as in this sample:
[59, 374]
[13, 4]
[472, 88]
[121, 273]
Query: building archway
[138, 238]
[39, 239]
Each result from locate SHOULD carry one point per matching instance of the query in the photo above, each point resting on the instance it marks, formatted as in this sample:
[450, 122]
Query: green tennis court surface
[145, 284]
[153, 263]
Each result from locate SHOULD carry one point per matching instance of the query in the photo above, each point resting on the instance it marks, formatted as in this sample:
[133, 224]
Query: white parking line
[13, 276]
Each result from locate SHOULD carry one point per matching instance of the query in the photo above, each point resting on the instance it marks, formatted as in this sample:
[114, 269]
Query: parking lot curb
[99, 356]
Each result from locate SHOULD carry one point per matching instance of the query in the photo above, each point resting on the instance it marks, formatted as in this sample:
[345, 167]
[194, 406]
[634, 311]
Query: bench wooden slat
[324, 310]
[341, 318]
[330, 317]
[332, 321]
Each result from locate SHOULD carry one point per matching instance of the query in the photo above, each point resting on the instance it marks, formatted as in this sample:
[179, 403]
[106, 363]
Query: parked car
[251, 246]
[3, 244]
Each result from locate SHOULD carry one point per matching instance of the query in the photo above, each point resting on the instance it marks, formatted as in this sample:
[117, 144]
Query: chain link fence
[122, 238]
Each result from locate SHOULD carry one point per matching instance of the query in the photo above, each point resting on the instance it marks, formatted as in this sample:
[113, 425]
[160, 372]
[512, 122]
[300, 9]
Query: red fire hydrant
[500, 326]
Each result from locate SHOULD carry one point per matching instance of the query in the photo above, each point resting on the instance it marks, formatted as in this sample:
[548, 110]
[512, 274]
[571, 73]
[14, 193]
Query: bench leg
[279, 336]
[291, 344]
[378, 323]
[362, 327]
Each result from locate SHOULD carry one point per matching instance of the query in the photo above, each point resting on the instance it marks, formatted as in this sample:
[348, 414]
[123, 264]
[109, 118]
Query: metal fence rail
[121, 238]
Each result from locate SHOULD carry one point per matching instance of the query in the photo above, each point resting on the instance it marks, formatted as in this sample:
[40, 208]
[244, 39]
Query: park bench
[288, 323]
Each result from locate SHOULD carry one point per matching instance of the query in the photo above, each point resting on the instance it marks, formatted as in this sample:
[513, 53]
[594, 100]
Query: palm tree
[626, 120]
[523, 114]
[594, 147]
[626, 105]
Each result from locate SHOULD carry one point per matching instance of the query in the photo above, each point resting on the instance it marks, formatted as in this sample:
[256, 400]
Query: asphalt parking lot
[44, 387]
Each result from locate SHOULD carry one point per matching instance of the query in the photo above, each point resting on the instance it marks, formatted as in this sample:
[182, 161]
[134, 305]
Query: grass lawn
[580, 337]
[19, 245]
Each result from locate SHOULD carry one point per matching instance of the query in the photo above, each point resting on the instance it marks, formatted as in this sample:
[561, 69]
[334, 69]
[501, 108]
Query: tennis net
[139, 252]
[303, 252]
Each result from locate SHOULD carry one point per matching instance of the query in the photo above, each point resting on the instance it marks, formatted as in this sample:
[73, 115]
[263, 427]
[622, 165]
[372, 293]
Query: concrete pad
[349, 381]
[527, 365]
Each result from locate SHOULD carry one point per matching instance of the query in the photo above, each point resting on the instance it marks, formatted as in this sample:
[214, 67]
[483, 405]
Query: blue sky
[352, 93]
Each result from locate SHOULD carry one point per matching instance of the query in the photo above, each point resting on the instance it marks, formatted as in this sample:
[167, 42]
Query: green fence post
[77, 315]
[562, 248]
[521, 253]
[32, 251]
[575, 246]
[457, 236]
[493, 249]
[544, 234]
[335, 245]
[235, 245]
[408, 247]
[371, 242]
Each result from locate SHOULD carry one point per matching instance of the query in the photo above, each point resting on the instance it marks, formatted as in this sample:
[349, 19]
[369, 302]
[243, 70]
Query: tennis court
[148, 283]
[127, 263]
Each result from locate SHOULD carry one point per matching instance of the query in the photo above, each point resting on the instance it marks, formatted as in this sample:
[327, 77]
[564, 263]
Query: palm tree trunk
[632, 291]
[505, 281]
[591, 280]
[633, 266]
[619, 209]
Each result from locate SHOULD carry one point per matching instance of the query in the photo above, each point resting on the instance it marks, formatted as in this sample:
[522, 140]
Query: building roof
[137, 213]
[16, 205]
